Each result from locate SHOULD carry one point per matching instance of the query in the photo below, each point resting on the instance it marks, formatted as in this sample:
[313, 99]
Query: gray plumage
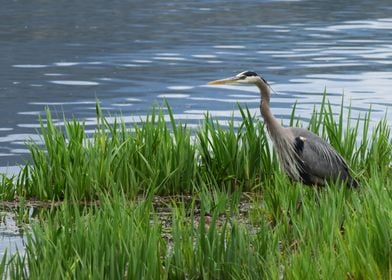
[303, 155]
[319, 161]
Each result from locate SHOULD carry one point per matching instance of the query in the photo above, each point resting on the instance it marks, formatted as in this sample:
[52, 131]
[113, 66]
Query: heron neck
[273, 125]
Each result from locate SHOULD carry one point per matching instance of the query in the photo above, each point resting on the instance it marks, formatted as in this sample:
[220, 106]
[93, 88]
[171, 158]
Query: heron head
[243, 78]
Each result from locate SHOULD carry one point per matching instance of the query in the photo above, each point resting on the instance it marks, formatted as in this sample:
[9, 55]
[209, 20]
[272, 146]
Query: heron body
[303, 155]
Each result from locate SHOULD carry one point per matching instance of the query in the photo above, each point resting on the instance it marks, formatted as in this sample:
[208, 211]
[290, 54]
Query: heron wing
[318, 158]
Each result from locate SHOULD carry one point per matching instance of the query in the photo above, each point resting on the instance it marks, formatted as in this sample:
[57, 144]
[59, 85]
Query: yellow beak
[231, 80]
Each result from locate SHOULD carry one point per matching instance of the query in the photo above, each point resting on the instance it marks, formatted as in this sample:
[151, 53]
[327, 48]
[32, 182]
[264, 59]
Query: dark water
[132, 54]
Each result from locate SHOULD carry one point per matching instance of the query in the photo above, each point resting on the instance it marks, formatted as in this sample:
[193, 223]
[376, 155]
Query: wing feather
[319, 158]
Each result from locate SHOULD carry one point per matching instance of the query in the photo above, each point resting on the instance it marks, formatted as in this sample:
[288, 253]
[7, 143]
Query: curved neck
[272, 123]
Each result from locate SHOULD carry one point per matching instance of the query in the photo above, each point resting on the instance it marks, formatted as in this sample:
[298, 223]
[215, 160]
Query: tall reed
[292, 233]
[164, 157]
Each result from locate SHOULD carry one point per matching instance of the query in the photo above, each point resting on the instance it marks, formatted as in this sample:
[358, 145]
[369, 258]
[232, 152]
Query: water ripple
[74, 83]
[29, 66]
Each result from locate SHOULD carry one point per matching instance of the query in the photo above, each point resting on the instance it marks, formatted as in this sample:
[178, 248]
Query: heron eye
[242, 77]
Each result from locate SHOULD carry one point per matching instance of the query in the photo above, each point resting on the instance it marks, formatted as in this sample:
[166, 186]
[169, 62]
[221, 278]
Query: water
[11, 234]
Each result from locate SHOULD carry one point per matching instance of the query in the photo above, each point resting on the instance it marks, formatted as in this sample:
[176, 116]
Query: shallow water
[11, 235]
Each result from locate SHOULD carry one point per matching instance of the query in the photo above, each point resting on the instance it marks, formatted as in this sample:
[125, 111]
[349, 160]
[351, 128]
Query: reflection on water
[11, 235]
[134, 55]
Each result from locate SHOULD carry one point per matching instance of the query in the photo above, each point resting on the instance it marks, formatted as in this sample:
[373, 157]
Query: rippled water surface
[134, 54]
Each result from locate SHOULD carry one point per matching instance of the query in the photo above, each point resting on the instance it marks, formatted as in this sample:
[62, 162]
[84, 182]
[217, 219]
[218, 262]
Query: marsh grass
[294, 233]
[170, 158]
[290, 231]
[7, 185]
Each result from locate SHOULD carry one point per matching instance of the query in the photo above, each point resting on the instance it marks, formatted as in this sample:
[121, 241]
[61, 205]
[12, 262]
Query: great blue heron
[303, 155]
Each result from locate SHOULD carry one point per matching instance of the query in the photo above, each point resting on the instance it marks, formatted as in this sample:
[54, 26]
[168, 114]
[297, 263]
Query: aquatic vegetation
[7, 186]
[292, 232]
[208, 231]
[170, 158]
